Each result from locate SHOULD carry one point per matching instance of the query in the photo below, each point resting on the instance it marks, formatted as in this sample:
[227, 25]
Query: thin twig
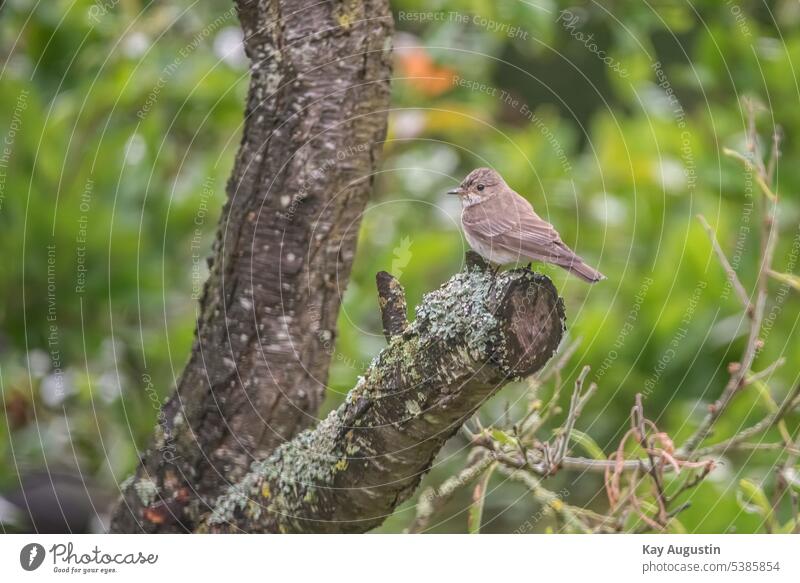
[592, 465]
[769, 239]
[537, 381]
[733, 278]
[639, 422]
[769, 446]
[670, 515]
[772, 166]
[548, 498]
[765, 373]
[575, 407]
[691, 482]
[432, 500]
[767, 422]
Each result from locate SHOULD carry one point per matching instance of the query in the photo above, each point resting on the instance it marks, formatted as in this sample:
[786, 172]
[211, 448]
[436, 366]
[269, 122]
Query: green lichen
[460, 310]
[254, 510]
[290, 479]
[347, 13]
[147, 491]
[345, 20]
[413, 408]
[124, 484]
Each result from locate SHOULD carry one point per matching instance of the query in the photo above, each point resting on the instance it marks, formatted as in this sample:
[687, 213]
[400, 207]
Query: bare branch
[766, 372]
[733, 278]
[433, 499]
[769, 239]
[638, 421]
[392, 300]
[547, 498]
[575, 408]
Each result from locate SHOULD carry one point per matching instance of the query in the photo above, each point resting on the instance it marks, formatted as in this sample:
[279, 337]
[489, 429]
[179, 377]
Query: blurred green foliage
[120, 120]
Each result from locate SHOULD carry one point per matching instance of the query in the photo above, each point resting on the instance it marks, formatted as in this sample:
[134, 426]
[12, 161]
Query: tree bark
[315, 122]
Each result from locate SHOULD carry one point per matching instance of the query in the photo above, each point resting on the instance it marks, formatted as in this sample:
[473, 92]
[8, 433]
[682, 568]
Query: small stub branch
[392, 300]
[469, 338]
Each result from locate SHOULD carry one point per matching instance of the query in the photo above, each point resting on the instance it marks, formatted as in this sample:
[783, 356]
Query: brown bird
[502, 227]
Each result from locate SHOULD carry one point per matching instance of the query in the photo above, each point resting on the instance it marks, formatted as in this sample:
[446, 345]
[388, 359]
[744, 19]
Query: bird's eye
[481, 187]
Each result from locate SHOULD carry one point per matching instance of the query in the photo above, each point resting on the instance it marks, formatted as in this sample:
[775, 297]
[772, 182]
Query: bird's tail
[578, 267]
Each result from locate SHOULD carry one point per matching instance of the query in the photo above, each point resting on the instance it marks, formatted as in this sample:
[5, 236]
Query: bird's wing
[511, 223]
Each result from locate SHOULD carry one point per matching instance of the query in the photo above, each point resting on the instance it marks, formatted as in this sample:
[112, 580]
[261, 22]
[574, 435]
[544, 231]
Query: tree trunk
[315, 122]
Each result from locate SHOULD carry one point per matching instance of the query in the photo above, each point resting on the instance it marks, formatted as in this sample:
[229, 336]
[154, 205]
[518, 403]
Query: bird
[502, 227]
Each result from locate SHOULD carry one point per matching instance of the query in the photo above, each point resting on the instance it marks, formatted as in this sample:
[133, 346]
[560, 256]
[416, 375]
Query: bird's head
[480, 184]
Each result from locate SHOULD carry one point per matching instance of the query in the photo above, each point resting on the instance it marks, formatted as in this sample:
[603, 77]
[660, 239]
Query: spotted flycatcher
[502, 227]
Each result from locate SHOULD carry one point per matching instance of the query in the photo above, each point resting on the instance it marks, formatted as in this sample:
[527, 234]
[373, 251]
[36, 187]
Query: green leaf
[772, 406]
[588, 444]
[504, 438]
[753, 500]
[676, 526]
[475, 514]
[648, 506]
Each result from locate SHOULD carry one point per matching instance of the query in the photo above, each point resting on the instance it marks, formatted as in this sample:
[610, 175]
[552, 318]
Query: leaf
[753, 500]
[648, 506]
[786, 278]
[763, 393]
[475, 514]
[588, 444]
[772, 407]
[676, 526]
[504, 438]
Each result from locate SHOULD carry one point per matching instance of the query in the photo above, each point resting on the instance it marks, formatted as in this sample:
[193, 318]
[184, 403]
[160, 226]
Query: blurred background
[119, 120]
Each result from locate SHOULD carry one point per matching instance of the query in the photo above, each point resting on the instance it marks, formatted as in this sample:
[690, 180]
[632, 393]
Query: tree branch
[470, 337]
[392, 299]
[730, 272]
[755, 311]
[433, 499]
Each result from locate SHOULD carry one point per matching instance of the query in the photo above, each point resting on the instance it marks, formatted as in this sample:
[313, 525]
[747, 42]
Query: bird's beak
[457, 190]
